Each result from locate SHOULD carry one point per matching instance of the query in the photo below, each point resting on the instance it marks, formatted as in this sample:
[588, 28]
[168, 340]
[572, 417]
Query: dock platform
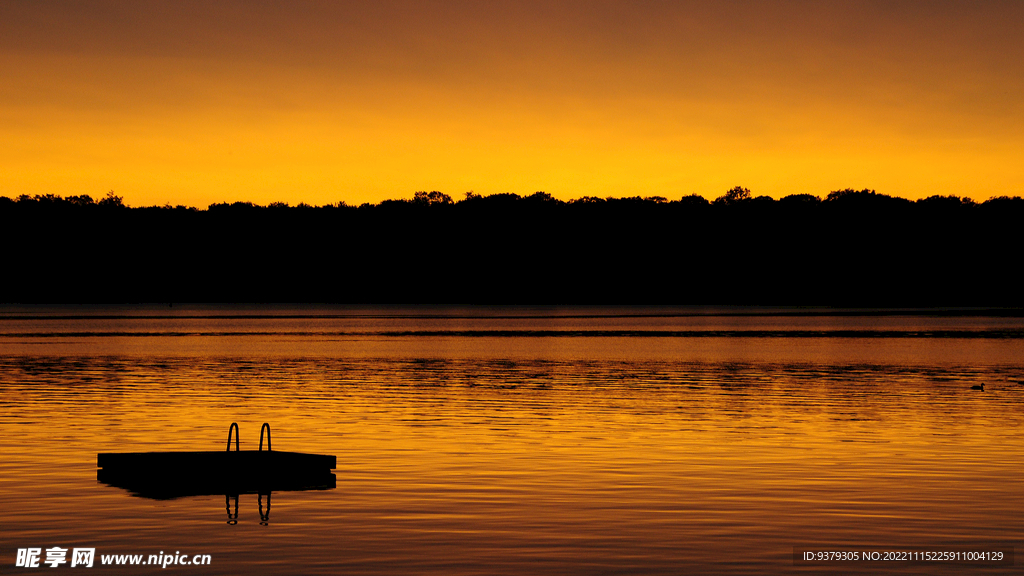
[165, 475]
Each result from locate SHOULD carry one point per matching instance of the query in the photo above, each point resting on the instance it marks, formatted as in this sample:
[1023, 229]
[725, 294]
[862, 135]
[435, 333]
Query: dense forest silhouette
[851, 248]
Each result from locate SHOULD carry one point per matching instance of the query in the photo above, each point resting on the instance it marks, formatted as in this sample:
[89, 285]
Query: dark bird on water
[978, 387]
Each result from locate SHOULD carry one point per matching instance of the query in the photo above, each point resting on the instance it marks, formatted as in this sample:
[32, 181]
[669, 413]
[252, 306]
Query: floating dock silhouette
[167, 475]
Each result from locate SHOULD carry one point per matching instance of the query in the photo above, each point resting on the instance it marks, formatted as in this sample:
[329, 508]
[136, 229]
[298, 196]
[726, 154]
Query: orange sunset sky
[194, 102]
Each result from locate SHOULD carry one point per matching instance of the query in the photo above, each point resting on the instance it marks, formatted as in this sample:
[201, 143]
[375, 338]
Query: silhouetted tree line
[852, 248]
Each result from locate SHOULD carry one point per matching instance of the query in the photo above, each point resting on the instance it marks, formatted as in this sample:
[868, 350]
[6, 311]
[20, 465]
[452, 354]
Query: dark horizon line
[987, 334]
[736, 195]
[786, 311]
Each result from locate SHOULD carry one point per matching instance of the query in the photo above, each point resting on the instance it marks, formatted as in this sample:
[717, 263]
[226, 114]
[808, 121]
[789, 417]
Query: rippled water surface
[521, 441]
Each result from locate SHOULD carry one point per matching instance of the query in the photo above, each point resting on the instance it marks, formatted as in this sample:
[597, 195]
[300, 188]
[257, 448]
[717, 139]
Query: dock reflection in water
[156, 489]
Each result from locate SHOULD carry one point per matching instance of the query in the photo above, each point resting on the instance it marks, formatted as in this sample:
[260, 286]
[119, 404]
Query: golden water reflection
[512, 466]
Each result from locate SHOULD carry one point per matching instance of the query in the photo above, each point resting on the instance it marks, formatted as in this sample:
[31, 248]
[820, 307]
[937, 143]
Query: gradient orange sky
[194, 102]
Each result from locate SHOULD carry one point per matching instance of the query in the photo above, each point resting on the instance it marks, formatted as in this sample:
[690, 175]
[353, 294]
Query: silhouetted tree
[83, 200]
[112, 200]
[431, 198]
[800, 199]
[737, 194]
[694, 200]
[541, 197]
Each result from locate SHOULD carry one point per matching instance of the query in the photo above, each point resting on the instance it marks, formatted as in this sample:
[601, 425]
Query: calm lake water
[522, 440]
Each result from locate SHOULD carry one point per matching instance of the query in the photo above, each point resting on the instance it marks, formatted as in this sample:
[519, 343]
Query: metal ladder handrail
[267, 427]
[234, 426]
